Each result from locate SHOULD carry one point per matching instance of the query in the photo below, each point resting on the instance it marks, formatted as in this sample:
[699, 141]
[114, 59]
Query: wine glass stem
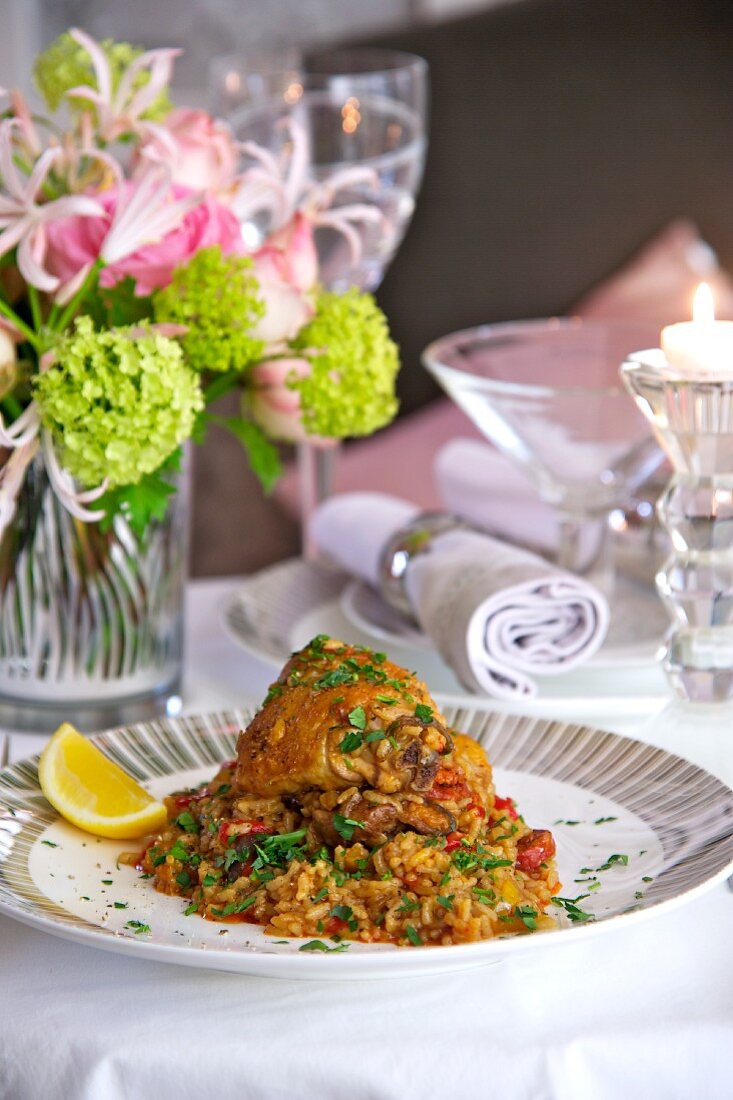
[586, 549]
[316, 476]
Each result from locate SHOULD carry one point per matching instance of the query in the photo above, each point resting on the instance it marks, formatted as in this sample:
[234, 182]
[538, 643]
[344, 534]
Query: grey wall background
[204, 28]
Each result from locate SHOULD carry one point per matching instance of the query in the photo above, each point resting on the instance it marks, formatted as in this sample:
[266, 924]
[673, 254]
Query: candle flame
[703, 305]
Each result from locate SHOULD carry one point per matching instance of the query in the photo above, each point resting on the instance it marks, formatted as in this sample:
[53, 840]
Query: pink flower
[287, 268]
[120, 109]
[198, 149]
[290, 253]
[75, 243]
[25, 221]
[276, 407]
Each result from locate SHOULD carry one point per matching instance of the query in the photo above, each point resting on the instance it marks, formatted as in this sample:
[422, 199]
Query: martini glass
[547, 394]
[350, 140]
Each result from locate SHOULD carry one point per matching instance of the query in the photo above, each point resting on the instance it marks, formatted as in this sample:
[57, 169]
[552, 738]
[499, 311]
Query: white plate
[281, 608]
[673, 821]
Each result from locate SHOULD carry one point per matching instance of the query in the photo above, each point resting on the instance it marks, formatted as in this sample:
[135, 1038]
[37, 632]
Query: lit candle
[702, 346]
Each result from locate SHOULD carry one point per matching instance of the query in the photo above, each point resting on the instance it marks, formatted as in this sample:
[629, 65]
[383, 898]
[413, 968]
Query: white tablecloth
[645, 1011]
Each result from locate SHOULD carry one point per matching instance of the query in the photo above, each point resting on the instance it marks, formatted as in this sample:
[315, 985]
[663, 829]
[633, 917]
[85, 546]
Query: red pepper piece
[453, 841]
[534, 849]
[254, 827]
[508, 805]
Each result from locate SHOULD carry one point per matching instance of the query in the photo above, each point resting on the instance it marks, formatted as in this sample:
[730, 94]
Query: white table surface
[645, 1011]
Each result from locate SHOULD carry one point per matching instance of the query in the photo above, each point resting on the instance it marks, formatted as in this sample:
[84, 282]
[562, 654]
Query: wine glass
[547, 394]
[350, 140]
[251, 76]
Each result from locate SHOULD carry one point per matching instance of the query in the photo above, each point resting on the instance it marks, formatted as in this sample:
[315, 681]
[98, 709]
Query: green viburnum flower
[217, 297]
[65, 65]
[117, 403]
[350, 390]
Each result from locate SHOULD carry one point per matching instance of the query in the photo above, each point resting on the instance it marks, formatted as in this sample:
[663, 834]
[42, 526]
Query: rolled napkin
[497, 615]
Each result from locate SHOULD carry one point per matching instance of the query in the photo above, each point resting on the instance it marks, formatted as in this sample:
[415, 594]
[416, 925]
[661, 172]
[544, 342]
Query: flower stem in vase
[316, 476]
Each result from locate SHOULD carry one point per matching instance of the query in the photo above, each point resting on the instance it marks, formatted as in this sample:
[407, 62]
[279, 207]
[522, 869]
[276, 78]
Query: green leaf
[345, 826]
[357, 718]
[352, 741]
[319, 945]
[147, 500]
[413, 936]
[262, 454]
[187, 822]
[114, 306]
[137, 926]
[424, 712]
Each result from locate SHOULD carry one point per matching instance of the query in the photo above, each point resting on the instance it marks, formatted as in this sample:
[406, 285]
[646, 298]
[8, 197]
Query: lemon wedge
[93, 793]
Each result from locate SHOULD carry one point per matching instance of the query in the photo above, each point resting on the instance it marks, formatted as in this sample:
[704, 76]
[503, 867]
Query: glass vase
[91, 622]
[693, 421]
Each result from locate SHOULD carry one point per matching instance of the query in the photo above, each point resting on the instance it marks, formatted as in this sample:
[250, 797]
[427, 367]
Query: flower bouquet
[129, 302]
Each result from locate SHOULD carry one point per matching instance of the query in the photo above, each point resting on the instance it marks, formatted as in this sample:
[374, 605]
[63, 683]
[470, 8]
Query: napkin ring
[408, 542]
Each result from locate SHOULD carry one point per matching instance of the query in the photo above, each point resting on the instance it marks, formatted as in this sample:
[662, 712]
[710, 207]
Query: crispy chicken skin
[341, 716]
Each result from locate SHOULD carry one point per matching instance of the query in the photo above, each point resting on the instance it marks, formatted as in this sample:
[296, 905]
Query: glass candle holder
[692, 419]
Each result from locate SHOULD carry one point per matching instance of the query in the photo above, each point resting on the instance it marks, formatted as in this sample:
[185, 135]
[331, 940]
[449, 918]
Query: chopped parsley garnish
[527, 915]
[357, 718]
[615, 858]
[446, 902]
[488, 897]
[273, 691]
[352, 741]
[179, 852]
[49, 844]
[573, 911]
[320, 895]
[107, 881]
[183, 879]
[386, 699]
[375, 735]
[223, 788]
[562, 821]
[594, 885]
[230, 856]
[137, 927]
[342, 674]
[466, 859]
[638, 894]
[345, 826]
[647, 878]
[235, 906]
[603, 820]
[424, 712]
[319, 945]
[192, 908]
[211, 878]
[279, 850]
[187, 822]
[408, 906]
[121, 905]
[413, 936]
[345, 913]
